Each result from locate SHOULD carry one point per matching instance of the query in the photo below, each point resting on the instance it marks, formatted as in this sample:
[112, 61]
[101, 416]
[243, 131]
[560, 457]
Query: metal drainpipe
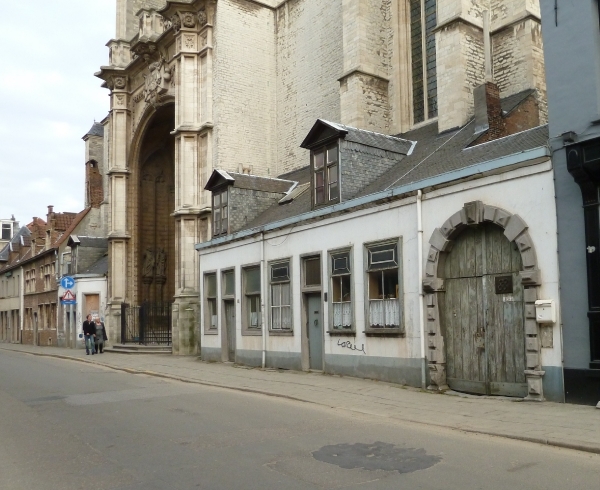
[420, 286]
[262, 299]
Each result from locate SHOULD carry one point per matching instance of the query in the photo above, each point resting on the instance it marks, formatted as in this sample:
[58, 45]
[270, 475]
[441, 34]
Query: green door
[483, 314]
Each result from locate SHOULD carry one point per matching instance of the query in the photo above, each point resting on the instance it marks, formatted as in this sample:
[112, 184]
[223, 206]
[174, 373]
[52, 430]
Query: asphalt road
[68, 425]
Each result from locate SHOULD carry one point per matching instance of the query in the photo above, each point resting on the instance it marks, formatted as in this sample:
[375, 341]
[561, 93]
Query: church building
[244, 94]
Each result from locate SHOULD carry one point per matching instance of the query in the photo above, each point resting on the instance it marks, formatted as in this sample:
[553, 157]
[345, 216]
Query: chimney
[488, 111]
[93, 184]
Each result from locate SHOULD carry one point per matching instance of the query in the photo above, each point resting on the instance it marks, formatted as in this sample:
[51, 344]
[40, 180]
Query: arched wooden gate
[483, 313]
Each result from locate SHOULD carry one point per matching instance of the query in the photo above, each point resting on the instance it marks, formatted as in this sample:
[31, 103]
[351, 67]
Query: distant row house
[37, 255]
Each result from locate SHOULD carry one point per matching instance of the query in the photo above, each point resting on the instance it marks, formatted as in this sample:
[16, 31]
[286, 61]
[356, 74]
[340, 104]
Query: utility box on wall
[545, 311]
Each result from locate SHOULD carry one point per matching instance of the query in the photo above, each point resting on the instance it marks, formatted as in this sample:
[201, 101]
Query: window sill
[252, 332]
[385, 332]
[281, 333]
[342, 332]
[211, 332]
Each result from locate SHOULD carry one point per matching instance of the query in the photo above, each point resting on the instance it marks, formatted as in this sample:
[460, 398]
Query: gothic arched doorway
[156, 203]
[483, 313]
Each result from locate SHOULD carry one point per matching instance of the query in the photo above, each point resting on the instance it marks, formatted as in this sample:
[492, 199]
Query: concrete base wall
[210, 354]
[553, 384]
[248, 357]
[390, 369]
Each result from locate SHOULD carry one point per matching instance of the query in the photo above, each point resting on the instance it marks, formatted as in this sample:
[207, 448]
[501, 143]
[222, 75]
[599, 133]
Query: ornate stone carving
[202, 17]
[188, 19]
[157, 82]
[190, 42]
[119, 82]
[120, 99]
[176, 22]
[161, 265]
[148, 267]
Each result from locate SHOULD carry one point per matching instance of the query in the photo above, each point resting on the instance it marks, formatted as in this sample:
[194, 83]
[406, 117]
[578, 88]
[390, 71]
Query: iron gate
[147, 324]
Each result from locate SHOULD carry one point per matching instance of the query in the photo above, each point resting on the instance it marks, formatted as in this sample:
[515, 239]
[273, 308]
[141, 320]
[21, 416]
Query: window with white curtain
[281, 297]
[383, 286]
[341, 290]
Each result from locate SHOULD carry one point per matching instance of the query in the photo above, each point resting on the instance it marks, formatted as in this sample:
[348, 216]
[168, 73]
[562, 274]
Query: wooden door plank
[448, 327]
[481, 353]
[467, 347]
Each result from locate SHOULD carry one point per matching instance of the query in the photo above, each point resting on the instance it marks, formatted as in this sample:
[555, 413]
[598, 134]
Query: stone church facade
[237, 84]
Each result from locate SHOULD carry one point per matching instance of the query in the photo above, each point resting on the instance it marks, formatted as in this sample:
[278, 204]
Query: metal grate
[504, 284]
[148, 324]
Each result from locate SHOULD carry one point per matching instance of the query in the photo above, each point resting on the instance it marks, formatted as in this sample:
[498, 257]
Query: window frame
[330, 278]
[398, 331]
[420, 43]
[245, 317]
[277, 282]
[208, 328]
[221, 191]
[303, 259]
[327, 166]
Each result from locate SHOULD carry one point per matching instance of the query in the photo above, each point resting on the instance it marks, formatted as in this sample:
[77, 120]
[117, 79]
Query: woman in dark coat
[100, 336]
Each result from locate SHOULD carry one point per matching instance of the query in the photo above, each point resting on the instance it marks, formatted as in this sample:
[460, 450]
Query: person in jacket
[89, 332]
[101, 336]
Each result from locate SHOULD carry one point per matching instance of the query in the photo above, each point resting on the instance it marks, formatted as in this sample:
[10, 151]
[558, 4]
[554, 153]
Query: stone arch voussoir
[515, 230]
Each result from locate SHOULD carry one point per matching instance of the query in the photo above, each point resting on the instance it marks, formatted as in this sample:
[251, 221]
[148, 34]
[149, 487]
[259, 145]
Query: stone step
[139, 349]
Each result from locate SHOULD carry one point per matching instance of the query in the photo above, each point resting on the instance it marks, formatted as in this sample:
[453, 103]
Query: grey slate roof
[438, 154]
[264, 184]
[88, 242]
[99, 267]
[396, 144]
[96, 130]
[5, 252]
[434, 154]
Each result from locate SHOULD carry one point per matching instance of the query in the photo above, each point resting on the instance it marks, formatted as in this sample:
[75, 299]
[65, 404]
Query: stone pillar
[119, 232]
[193, 28]
[460, 59]
[367, 39]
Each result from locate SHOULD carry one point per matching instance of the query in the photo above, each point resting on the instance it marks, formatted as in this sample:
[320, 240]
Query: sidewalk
[555, 424]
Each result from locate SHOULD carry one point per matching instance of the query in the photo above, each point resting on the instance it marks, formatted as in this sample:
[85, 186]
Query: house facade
[236, 85]
[572, 55]
[426, 259]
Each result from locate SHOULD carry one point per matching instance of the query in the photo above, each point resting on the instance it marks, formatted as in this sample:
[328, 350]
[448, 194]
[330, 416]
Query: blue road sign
[67, 282]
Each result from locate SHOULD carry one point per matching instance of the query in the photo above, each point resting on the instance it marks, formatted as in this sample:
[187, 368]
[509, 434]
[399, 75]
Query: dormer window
[220, 212]
[325, 169]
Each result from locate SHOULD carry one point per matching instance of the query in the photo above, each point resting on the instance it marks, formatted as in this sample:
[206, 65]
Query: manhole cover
[376, 456]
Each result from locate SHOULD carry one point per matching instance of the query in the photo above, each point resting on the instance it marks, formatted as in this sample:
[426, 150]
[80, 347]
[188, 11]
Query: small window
[210, 293]
[341, 291]
[383, 286]
[312, 272]
[252, 298]
[6, 231]
[325, 175]
[281, 300]
[229, 283]
[220, 212]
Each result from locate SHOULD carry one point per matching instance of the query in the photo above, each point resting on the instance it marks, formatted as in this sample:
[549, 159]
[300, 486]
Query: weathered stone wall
[244, 88]
[309, 63]
[460, 68]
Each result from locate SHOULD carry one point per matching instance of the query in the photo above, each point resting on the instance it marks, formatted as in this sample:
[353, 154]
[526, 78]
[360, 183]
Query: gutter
[479, 168]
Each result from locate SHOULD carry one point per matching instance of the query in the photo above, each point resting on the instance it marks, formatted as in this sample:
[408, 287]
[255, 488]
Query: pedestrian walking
[89, 332]
[101, 336]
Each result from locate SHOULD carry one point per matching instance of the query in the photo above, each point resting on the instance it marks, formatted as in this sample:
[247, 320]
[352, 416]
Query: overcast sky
[49, 99]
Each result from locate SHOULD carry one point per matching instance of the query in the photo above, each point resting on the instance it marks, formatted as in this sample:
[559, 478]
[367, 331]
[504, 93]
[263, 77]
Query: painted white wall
[83, 286]
[527, 191]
